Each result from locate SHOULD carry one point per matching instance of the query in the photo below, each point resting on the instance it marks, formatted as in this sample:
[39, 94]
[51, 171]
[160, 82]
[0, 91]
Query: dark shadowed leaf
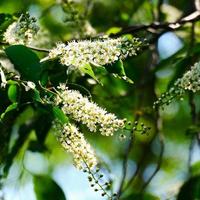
[25, 61]
[11, 107]
[190, 189]
[137, 196]
[117, 69]
[195, 168]
[46, 188]
[180, 67]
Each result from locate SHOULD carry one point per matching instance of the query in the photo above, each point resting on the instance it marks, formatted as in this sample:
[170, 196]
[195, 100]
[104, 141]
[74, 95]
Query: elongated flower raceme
[21, 31]
[82, 110]
[74, 142]
[98, 52]
[189, 81]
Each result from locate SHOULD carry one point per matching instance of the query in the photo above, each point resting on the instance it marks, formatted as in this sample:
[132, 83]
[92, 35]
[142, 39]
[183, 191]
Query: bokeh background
[153, 71]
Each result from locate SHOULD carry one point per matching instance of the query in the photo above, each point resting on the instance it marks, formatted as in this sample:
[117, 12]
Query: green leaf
[190, 189]
[25, 61]
[87, 69]
[13, 93]
[137, 196]
[117, 69]
[41, 128]
[11, 107]
[46, 188]
[113, 30]
[195, 168]
[44, 78]
[59, 114]
[36, 95]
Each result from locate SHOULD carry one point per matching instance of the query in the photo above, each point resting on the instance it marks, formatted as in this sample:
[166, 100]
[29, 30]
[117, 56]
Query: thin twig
[191, 148]
[38, 49]
[125, 161]
[30, 47]
[161, 140]
[197, 4]
[136, 172]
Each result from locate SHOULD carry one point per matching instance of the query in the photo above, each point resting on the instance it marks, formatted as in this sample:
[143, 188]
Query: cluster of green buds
[135, 127]
[140, 128]
[167, 97]
[76, 17]
[97, 182]
[22, 31]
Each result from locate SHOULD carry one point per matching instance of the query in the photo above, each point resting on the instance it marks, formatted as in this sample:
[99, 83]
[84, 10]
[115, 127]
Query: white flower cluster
[21, 31]
[87, 112]
[74, 142]
[191, 79]
[98, 52]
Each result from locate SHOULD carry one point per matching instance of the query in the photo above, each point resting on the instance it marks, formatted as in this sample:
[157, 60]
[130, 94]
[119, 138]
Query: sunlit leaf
[87, 69]
[13, 93]
[59, 114]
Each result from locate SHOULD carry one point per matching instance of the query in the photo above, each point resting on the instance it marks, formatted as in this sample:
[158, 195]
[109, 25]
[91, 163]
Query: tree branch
[153, 27]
